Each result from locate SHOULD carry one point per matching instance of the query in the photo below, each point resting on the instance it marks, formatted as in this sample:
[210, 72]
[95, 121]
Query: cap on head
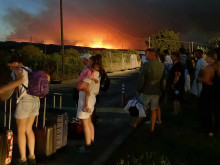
[86, 56]
[141, 52]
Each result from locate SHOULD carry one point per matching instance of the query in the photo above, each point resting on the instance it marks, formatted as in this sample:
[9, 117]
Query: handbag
[133, 109]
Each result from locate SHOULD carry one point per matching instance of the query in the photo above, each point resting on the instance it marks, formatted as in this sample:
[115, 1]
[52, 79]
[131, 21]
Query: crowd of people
[175, 74]
[172, 73]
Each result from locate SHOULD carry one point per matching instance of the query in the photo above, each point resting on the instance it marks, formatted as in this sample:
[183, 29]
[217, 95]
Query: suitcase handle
[44, 115]
[54, 99]
[5, 115]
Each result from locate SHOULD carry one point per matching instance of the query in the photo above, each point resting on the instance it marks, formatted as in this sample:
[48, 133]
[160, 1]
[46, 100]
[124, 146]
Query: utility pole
[62, 43]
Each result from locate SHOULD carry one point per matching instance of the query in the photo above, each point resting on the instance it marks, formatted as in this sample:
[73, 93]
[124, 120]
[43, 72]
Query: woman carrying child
[89, 85]
[83, 86]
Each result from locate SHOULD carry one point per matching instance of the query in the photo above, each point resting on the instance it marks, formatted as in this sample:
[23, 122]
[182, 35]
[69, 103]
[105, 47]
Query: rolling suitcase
[56, 115]
[44, 137]
[75, 129]
[6, 139]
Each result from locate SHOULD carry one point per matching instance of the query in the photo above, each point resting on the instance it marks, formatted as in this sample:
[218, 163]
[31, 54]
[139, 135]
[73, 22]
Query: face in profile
[96, 68]
[85, 61]
[89, 63]
[147, 55]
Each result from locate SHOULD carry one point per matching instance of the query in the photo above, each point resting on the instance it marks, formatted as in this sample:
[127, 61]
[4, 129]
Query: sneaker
[148, 122]
[22, 162]
[83, 149]
[75, 120]
[32, 161]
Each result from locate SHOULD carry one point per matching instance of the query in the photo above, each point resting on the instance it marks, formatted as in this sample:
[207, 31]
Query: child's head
[95, 66]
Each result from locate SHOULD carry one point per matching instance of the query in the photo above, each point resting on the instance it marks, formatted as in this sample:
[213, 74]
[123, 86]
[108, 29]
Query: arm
[198, 65]
[96, 81]
[176, 78]
[141, 77]
[14, 83]
[82, 85]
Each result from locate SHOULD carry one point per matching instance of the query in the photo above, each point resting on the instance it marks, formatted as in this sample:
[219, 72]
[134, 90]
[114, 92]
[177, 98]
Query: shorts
[81, 105]
[27, 106]
[149, 100]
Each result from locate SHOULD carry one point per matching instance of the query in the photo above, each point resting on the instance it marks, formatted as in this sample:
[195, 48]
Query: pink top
[86, 73]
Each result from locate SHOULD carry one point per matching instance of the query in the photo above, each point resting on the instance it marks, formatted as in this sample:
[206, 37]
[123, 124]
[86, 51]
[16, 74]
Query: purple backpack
[38, 84]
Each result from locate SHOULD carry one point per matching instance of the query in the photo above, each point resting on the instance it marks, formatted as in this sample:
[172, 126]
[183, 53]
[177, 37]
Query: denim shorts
[149, 100]
[27, 106]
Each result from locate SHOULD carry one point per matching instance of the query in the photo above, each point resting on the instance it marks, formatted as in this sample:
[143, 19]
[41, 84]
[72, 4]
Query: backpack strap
[22, 67]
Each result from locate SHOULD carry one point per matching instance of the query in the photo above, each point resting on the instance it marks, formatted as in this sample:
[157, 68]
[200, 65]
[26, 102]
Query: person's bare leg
[136, 121]
[158, 112]
[92, 129]
[30, 136]
[87, 131]
[153, 118]
[21, 126]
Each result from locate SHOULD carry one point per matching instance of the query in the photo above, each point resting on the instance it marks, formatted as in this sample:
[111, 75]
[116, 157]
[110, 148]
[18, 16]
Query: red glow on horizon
[92, 36]
[96, 44]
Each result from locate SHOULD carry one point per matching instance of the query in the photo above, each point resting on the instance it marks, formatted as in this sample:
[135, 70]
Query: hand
[87, 109]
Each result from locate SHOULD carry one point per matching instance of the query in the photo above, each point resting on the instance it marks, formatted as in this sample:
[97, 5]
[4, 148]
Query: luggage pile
[51, 134]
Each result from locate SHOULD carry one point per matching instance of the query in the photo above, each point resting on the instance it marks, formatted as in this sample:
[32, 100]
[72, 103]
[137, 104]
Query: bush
[149, 158]
[113, 60]
[116, 60]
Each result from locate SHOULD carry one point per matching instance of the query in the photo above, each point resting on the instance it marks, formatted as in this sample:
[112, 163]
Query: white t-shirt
[143, 59]
[168, 60]
[22, 90]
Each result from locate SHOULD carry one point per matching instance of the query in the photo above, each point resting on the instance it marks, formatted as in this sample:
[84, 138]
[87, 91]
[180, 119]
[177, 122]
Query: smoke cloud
[116, 23]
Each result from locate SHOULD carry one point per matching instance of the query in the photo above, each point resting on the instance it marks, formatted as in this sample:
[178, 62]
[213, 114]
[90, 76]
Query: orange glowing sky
[79, 30]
